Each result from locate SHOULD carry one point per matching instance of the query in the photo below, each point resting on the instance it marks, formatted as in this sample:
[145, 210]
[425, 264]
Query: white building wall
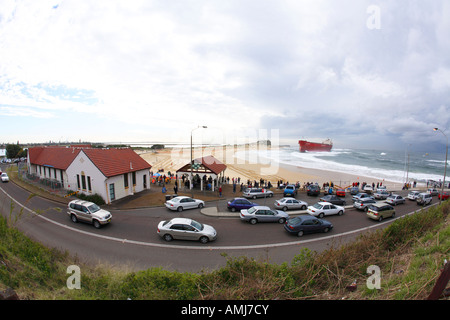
[80, 166]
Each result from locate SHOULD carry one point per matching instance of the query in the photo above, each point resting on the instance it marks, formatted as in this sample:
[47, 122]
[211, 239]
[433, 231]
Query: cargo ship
[314, 146]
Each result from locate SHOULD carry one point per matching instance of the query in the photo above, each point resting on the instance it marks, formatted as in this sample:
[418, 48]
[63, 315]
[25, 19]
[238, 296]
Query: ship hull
[313, 146]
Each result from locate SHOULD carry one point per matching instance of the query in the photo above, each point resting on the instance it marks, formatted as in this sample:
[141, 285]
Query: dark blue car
[307, 224]
[239, 203]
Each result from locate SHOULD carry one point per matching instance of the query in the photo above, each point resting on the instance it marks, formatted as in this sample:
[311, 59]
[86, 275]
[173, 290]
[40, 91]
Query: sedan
[363, 204]
[263, 214]
[186, 229]
[333, 199]
[290, 203]
[445, 195]
[395, 199]
[340, 192]
[4, 177]
[182, 203]
[238, 204]
[381, 194]
[361, 196]
[321, 209]
[307, 224]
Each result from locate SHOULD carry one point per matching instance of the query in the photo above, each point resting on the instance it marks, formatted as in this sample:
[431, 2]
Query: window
[133, 178]
[125, 180]
[89, 184]
[112, 193]
[78, 181]
[83, 181]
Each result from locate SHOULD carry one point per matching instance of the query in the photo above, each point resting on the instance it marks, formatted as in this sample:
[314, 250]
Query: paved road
[131, 238]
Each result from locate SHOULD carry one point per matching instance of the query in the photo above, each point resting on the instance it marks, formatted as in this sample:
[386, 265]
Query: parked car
[395, 199]
[433, 191]
[361, 196]
[412, 195]
[181, 203]
[321, 209]
[364, 204]
[444, 196]
[424, 198]
[85, 211]
[238, 204]
[368, 188]
[333, 199]
[263, 214]
[290, 191]
[381, 194]
[301, 225]
[354, 191]
[4, 177]
[313, 190]
[186, 229]
[290, 203]
[340, 192]
[257, 193]
[381, 211]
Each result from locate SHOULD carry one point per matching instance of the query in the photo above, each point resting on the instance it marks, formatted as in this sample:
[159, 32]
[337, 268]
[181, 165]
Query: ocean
[397, 166]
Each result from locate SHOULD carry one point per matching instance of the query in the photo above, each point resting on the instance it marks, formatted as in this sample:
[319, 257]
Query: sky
[369, 74]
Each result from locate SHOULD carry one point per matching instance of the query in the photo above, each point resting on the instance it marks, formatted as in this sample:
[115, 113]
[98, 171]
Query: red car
[340, 192]
[445, 196]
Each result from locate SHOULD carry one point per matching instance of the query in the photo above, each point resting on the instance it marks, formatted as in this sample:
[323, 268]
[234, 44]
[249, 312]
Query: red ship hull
[314, 147]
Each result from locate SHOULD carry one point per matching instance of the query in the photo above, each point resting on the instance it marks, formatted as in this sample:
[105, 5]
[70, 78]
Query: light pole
[191, 183]
[445, 167]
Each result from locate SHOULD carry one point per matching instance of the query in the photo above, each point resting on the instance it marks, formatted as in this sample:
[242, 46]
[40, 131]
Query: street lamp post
[191, 180]
[445, 167]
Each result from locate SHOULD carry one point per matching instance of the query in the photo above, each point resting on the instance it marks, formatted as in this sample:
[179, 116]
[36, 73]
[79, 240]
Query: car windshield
[251, 210]
[197, 225]
[93, 208]
[317, 206]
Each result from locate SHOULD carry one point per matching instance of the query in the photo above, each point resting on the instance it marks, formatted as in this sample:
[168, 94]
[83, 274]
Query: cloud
[309, 68]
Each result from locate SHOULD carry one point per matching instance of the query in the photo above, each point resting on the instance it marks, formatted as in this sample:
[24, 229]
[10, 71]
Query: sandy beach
[172, 159]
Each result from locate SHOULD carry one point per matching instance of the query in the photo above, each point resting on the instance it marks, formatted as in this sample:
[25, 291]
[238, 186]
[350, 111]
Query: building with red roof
[113, 173]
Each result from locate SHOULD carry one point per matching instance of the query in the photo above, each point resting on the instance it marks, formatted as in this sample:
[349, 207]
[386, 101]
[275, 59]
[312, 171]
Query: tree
[12, 150]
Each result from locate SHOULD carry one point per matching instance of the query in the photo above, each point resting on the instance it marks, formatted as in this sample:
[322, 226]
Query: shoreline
[171, 159]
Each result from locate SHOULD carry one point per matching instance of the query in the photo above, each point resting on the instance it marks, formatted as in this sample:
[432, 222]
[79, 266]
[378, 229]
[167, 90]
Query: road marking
[168, 246]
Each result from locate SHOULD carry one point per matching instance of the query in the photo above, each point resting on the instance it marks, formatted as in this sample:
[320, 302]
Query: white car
[412, 195]
[4, 177]
[290, 203]
[182, 203]
[321, 209]
[186, 229]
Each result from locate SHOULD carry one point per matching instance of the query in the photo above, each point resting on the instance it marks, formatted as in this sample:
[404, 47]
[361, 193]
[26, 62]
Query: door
[112, 193]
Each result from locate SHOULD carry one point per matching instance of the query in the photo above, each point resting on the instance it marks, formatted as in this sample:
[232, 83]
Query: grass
[410, 253]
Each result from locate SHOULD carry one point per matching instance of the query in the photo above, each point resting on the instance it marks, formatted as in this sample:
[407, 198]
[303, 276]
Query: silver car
[263, 214]
[257, 193]
[182, 203]
[85, 211]
[412, 195]
[290, 203]
[186, 229]
[395, 199]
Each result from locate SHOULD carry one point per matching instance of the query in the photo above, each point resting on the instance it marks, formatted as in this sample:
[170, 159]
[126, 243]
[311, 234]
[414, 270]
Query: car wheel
[300, 233]
[254, 197]
[281, 220]
[168, 237]
[233, 209]
[326, 230]
[340, 213]
[393, 215]
[253, 221]
[285, 208]
[74, 218]
[180, 208]
[380, 218]
[321, 215]
[97, 224]
[303, 207]
[204, 239]
[270, 195]
[200, 205]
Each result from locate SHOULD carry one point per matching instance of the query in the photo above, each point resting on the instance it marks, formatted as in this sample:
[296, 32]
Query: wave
[358, 163]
